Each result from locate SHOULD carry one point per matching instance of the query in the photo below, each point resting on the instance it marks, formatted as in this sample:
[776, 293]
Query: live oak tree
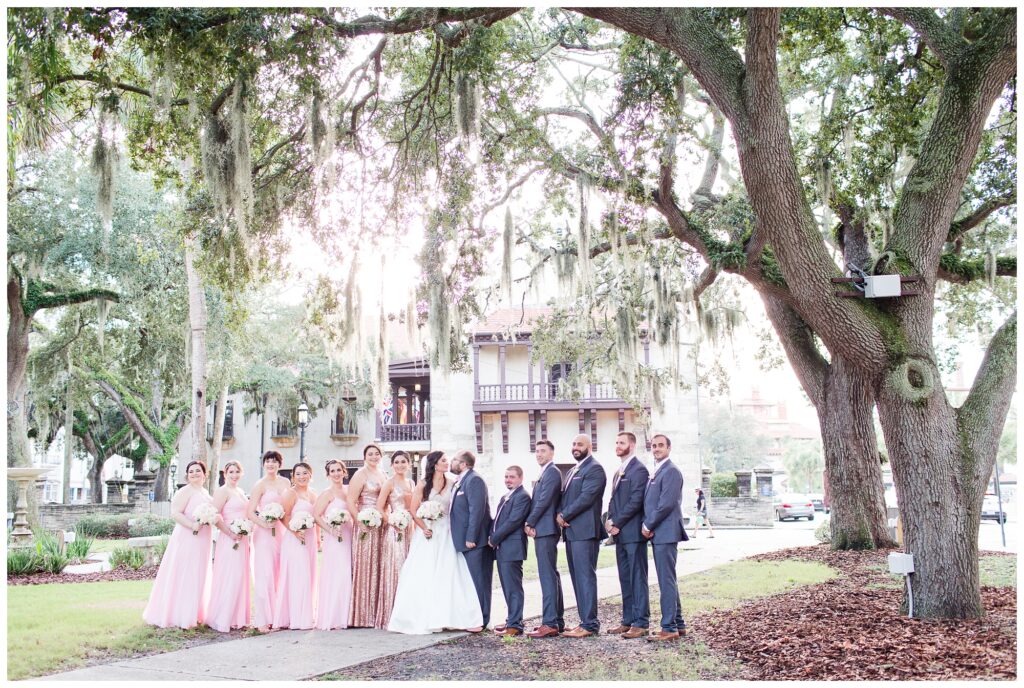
[876, 352]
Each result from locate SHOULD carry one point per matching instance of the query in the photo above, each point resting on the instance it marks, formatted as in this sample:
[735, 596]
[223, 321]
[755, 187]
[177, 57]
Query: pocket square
[577, 477]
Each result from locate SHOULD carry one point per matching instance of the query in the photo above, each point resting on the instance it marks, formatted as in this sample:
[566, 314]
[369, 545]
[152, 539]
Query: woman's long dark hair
[428, 473]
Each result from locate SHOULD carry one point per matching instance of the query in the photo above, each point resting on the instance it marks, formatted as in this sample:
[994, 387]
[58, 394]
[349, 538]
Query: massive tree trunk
[163, 489]
[197, 330]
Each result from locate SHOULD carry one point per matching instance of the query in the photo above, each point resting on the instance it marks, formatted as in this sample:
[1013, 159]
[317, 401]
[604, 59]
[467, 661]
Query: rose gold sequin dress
[392, 556]
[365, 560]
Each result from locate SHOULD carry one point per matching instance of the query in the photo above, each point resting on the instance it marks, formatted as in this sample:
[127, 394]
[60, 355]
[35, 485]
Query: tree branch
[411, 20]
[964, 225]
[39, 296]
[953, 268]
[92, 78]
[798, 341]
[933, 30]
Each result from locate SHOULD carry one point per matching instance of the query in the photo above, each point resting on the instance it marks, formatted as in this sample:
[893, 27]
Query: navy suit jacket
[507, 534]
[546, 495]
[470, 512]
[626, 508]
[581, 502]
[663, 505]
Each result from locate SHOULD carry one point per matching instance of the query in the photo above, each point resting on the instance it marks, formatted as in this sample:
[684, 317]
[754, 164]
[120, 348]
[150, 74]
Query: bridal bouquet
[337, 518]
[240, 526]
[206, 515]
[300, 523]
[273, 513]
[370, 518]
[430, 511]
[400, 519]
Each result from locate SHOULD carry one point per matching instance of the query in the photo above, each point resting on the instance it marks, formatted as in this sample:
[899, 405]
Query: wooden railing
[536, 391]
[411, 432]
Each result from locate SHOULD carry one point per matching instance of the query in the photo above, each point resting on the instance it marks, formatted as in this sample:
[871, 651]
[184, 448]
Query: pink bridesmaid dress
[266, 564]
[392, 556]
[334, 594]
[181, 591]
[366, 561]
[294, 606]
[229, 591]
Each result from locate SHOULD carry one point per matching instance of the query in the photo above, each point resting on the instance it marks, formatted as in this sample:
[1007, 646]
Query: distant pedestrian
[702, 514]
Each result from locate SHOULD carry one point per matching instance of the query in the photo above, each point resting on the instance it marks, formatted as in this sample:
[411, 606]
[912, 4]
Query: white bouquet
[400, 519]
[430, 511]
[240, 526]
[337, 518]
[272, 513]
[370, 518]
[206, 515]
[300, 523]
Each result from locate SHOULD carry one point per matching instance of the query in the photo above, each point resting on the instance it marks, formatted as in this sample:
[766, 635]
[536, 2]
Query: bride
[435, 590]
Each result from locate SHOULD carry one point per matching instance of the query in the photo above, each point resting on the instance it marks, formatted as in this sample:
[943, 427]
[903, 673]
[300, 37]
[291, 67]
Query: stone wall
[746, 512]
[65, 516]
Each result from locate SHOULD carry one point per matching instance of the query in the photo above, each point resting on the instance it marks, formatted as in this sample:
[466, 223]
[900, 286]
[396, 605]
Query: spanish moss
[467, 106]
[105, 158]
[506, 257]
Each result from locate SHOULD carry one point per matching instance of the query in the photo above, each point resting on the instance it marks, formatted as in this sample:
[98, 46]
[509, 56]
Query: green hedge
[724, 485]
[97, 525]
[147, 525]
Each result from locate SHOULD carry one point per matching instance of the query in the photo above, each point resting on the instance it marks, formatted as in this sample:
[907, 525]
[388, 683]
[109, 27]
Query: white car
[793, 506]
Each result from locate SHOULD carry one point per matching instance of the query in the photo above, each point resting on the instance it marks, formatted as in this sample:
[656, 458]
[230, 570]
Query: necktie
[501, 503]
[569, 478]
[618, 476]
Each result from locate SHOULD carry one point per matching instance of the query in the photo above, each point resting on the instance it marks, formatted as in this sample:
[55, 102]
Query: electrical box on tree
[882, 286]
[901, 563]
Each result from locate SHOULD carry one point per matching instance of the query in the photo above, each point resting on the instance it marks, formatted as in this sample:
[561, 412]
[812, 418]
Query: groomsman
[541, 526]
[580, 517]
[625, 514]
[663, 526]
[509, 542]
[470, 514]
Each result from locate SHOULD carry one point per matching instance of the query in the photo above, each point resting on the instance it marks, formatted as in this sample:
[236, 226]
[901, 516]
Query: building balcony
[527, 396]
[409, 432]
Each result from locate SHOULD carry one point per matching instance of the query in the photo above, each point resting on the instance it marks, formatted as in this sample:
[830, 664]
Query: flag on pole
[387, 411]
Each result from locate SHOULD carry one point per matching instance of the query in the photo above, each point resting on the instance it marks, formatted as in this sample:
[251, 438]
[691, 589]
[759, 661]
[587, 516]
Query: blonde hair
[229, 464]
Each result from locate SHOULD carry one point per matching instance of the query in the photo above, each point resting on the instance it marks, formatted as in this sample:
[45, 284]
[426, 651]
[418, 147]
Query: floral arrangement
[240, 526]
[430, 511]
[300, 523]
[206, 515]
[370, 518]
[337, 518]
[400, 519]
[272, 513]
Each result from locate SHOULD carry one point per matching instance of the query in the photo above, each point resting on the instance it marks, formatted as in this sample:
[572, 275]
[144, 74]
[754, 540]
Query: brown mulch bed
[118, 574]
[850, 628]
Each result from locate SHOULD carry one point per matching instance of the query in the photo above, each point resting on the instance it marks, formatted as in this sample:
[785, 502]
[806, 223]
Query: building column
[501, 367]
[504, 431]
[476, 371]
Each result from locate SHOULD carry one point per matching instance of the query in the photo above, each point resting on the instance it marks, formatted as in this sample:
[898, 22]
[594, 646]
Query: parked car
[818, 500]
[990, 509]
[793, 506]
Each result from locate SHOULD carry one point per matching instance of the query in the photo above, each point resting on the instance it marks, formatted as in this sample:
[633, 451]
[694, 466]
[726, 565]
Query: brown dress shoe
[662, 635]
[510, 632]
[499, 628]
[543, 632]
[634, 632]
[578, 632]
[618, 630]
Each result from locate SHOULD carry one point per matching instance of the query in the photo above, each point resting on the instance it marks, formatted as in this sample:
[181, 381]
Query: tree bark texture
[197, 329]
[69, 440]
[218, 438]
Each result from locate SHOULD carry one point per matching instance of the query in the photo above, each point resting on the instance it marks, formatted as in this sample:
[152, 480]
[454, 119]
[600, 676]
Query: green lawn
[605, 558]
[99, 545]
[1000, 572]
[57, 627]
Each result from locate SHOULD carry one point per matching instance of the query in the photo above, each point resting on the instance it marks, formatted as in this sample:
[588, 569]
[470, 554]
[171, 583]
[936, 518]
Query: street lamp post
[303, 422]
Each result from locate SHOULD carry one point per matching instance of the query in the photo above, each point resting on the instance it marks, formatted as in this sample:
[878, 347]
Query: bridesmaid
[363, 491]
[294, 606]
[267, 544]
[181, 591]
[229, 591]
[334, 594]
[396, 494]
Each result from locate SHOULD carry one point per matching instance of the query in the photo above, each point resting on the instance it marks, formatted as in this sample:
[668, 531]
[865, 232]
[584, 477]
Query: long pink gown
[334, 594]
[229, 591]
[266, 564]
[392, 556]
[365, 561]
[295, 606]
[181, 591]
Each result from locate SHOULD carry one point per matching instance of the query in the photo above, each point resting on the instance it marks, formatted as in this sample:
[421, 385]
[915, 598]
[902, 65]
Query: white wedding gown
[435, 590]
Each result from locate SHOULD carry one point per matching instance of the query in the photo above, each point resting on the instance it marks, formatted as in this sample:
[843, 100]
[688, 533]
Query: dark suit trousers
[582, 556]
[631, 558]
[481, 568]
[546, 549]
[665, 565]
[510, 573]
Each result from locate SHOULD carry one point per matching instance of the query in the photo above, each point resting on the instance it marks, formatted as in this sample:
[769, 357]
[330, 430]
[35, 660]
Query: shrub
[103, 526]
[50, 550]
[724, 485]
[22, 561]
[823, 533]
[81, 547]
[159, 549]
[130, 557]
[148, 525]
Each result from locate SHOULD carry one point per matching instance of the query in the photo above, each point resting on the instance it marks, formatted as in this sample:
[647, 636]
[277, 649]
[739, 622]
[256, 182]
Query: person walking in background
[580, 516]
[663, 526]
[541, 526]
[508, 539]
[625, 514]
[702, 515]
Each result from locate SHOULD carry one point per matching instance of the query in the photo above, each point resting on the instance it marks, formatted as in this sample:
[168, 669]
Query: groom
[470, 515]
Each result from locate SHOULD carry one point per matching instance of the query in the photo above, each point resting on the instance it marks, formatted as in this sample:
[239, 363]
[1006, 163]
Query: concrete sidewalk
[298, 655]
